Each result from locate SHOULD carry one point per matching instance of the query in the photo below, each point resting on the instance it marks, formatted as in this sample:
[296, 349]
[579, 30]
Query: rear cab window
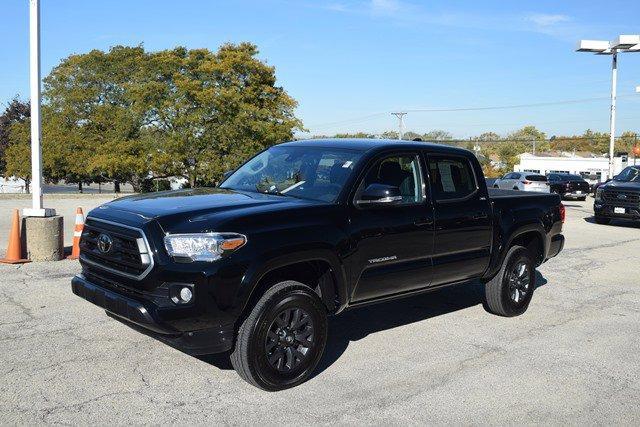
[451, 178]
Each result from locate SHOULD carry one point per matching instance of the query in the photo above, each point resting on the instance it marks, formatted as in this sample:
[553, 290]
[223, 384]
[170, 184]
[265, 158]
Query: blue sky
[350, 62]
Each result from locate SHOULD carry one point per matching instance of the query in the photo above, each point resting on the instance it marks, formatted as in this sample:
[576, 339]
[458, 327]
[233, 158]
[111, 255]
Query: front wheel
[282, 340]
[603, 220]
[510, 291]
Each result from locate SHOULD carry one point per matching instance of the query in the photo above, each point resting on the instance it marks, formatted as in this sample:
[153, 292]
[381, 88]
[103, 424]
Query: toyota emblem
[104, 243]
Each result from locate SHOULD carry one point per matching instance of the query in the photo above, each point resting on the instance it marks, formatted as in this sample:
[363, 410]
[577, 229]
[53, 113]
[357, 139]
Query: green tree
[92, 117]
[437, 135]
[16, 112]
[210, 111]
[18, 152]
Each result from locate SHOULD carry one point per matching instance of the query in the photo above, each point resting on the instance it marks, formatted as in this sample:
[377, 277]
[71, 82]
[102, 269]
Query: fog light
[186, 294]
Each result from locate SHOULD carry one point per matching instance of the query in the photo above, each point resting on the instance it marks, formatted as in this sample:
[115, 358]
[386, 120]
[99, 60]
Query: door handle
[480, 215]
[422, 222]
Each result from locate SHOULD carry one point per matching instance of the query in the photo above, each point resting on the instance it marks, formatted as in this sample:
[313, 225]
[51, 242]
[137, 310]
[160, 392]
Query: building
[12, 185]
[591, 167]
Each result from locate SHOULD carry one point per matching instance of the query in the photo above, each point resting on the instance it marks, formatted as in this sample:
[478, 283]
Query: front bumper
[140, 315]
[609, 211]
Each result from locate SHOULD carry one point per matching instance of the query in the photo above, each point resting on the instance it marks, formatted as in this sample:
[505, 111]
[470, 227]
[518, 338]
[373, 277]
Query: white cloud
[547, 20]
[384, 7]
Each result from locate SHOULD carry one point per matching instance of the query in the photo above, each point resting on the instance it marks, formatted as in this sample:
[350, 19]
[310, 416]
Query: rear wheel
[602, 220]
[510, 291]
[282, 340]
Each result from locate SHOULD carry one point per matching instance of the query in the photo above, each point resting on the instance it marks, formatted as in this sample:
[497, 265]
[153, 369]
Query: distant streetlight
[624, 43]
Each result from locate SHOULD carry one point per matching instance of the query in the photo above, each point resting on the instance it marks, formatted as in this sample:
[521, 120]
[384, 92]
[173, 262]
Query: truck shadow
[628, 223]
[359, 323]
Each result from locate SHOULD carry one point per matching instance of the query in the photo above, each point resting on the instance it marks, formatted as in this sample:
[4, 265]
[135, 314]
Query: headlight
[202, 246]
[599, 194]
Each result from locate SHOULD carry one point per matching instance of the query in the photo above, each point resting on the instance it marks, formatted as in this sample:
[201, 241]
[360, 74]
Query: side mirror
[379, 195]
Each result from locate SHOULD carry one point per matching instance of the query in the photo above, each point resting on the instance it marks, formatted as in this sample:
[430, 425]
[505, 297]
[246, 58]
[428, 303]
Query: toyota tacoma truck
[619, 198]
[305, 230]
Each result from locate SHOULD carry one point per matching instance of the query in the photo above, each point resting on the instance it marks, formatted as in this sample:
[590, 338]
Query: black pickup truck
[619, 197]
[304, 230]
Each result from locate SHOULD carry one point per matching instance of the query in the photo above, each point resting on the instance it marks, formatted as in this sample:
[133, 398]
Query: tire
[495, 186]
[268, 352]
[602, 220]
[499, 293]
[516, 189]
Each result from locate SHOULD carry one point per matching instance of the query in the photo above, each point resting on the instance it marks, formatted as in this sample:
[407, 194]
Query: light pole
[624, 43]
[400, 115]
[37, 209]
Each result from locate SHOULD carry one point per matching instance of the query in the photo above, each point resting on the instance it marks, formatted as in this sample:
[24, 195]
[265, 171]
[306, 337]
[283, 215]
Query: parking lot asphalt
[573, 358]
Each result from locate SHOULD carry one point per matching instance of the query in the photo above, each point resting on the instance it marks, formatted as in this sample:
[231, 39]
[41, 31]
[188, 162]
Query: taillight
[525, 182]
[563, 212]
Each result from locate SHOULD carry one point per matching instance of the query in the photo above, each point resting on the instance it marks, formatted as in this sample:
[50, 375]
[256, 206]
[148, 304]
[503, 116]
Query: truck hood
[622, 186]
[194, 204]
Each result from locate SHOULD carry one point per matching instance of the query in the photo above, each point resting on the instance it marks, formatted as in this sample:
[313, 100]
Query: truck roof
[367, 144]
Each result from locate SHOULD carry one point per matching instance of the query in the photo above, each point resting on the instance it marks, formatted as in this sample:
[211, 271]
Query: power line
[360, 119]
[508, 107]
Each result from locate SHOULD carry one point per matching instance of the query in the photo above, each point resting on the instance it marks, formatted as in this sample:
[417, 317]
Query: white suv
[523, 181]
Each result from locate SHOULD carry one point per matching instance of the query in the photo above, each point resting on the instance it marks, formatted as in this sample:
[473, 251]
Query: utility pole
[400, 115]
[37, 209]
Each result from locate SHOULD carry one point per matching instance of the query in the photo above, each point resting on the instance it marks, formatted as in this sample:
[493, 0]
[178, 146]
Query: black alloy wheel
[282, 339]
[289, 340]
[510, 291]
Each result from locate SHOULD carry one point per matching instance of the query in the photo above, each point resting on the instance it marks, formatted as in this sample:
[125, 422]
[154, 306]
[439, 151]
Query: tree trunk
[116, 186]
[80, 187]
[192, 181]
[26, 185]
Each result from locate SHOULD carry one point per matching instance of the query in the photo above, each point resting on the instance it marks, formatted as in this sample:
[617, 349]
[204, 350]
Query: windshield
[571, 177]
[629, 174]
[315, 173]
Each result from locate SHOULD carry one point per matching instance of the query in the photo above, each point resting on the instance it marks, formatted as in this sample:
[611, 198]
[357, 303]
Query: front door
[462, 244]
[394, 243]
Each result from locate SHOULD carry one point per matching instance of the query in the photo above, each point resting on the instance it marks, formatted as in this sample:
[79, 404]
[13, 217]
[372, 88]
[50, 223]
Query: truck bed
[496, 193]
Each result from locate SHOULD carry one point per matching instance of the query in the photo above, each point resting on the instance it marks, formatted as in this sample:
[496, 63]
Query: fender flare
[263, 266]
[514, 234]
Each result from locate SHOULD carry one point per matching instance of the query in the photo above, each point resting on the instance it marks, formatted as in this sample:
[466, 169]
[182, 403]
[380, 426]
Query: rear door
[462, 219]
[393, 244]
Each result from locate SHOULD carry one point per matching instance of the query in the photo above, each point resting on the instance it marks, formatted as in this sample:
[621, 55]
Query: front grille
[621, 198]
[124, 249]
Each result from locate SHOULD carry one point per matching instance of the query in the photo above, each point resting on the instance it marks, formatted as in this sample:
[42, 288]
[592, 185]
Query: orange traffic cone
[14, 249]
[77, 232]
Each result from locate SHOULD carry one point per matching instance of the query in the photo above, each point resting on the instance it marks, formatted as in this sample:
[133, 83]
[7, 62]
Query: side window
[451, 178]
[397, 171]
[510, 176]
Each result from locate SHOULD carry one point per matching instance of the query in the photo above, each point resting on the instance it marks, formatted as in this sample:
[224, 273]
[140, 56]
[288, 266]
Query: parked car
[255, 266]
[523, 181]
[569, 186]
[619, 197]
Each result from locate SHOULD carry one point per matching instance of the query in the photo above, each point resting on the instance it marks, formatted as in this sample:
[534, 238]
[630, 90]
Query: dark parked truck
[305, 230]
[569, 186]
[619, 198]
